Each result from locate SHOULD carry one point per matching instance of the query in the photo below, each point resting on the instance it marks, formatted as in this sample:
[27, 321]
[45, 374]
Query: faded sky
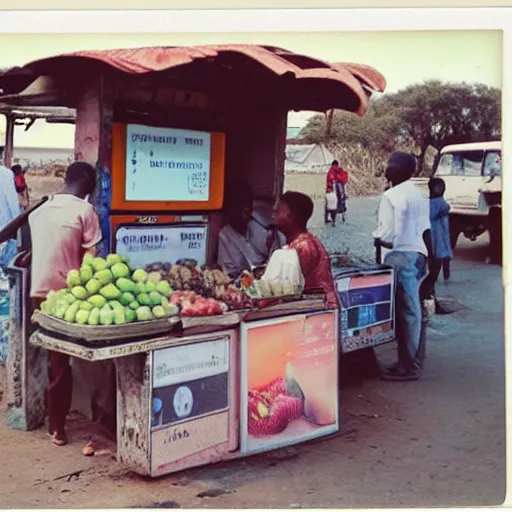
[404, 58]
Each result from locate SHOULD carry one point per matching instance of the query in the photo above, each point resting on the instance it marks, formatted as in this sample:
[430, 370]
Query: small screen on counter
[167, 164]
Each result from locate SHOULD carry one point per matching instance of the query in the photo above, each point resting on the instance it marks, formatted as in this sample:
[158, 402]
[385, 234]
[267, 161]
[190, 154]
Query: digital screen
[167, 164]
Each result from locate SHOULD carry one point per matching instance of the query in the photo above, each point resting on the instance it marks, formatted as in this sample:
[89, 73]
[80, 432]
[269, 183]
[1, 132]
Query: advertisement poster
[166, 164]
[289, 389]
[143, 245]
[190, 399]
[366, 309]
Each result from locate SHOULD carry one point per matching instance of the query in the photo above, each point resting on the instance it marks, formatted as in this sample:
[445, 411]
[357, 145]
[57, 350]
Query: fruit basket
[104, 333]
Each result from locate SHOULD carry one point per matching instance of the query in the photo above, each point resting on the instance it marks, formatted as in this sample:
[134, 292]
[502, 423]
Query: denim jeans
[411, 269]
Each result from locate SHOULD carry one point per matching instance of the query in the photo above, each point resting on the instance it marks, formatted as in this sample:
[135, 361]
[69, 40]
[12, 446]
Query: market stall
[207, 370]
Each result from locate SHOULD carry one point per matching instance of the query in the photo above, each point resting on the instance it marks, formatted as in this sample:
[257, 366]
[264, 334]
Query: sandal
[59, 439]
[88, 450]
[400, 375]
[393, 368]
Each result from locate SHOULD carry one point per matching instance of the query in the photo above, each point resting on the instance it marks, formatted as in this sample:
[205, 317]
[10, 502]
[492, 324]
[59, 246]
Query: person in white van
[404, 229]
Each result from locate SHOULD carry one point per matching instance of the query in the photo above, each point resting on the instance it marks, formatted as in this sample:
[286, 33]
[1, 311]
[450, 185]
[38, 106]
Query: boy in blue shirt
[440, 234]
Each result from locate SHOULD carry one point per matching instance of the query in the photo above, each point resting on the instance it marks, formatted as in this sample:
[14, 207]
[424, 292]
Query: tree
[432, 114]
[375, 131]
[436, 114]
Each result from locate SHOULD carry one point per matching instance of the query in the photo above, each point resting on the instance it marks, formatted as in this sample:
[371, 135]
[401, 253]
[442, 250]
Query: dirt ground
[436, 442]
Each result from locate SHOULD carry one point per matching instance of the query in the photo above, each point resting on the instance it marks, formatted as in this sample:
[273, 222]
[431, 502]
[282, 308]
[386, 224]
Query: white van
[472, 173]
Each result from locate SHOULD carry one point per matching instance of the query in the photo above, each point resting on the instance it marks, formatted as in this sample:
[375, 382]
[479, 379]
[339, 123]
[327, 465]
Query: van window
[464, 163]
[492, 163]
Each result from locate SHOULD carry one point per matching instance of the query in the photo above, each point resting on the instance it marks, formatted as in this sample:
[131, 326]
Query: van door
[462, 173]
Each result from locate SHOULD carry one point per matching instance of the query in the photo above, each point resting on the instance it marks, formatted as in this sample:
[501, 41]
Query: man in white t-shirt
[404, 230]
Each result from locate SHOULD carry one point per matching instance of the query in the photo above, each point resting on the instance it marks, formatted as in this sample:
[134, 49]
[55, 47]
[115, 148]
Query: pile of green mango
[106, 291]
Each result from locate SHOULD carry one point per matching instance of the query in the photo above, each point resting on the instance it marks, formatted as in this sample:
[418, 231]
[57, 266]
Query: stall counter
[182, 400]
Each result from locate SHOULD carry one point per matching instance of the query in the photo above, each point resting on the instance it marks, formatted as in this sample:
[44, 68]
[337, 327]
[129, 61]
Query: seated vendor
[243, 242]
[295, 210]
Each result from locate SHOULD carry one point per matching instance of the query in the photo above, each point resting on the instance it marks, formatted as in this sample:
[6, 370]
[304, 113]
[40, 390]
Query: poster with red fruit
[289, 380]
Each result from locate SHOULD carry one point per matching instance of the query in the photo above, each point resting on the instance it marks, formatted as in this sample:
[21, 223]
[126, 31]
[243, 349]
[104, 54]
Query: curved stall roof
[296, 81]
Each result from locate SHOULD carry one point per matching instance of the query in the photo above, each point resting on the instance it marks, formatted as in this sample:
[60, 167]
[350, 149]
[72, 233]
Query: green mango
[159, 312]
[82, 317]
[139, 288]
[172, 310]
[79, 292]
[126, 298]
[73, 279]
[140, 275]
[130, 315]
[112, 259]
[134, 305]
[106, 316]
[144, 314]
[71, 311]
[120, 270]
[51, 299]
[104, 276]
[125, 285]
[86, 273]
[93, 286]
[155, 299]
[94, 317]
[154, 277]
[143, 299]
[110, 292]
[88, 259]
[85, 305]
[69, 298]
[164, 288]
[99, 264]
[97, 301]
[45, 307]
[114, 304]
[119, 316]
[150, 287]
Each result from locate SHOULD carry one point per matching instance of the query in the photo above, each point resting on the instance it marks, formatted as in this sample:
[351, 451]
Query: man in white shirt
[404, 230]
[243, 240]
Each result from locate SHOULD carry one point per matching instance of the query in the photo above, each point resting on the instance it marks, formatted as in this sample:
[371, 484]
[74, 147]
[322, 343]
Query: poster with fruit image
[289, 380]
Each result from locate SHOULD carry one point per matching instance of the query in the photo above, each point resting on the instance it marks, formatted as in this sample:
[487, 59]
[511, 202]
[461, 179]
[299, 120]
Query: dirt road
[436, 442]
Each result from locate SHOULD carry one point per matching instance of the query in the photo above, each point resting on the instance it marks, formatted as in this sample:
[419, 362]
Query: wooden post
[93, 144]
[328, 127]
[9, 140]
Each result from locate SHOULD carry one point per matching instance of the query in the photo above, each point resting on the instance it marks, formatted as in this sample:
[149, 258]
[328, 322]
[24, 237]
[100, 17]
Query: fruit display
[263, 289]
[106, 291]
[207, 282]
[186, 275]
[194, 305]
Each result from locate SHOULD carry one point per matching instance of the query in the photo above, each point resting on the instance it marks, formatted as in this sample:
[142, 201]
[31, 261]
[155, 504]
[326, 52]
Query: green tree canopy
[431, 114]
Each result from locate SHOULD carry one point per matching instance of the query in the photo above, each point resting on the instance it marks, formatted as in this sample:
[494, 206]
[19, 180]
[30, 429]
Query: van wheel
[454, 234]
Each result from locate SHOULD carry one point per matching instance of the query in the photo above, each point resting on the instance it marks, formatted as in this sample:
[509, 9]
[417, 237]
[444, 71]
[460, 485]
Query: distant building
[292, 132]
[308, 158]
[37, 157]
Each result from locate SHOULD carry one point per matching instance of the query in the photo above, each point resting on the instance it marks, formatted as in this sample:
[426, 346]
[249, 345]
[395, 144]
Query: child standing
[21, 185]
[440, 232]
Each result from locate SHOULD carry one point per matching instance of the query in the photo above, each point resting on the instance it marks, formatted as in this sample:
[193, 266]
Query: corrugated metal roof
[311, 84]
